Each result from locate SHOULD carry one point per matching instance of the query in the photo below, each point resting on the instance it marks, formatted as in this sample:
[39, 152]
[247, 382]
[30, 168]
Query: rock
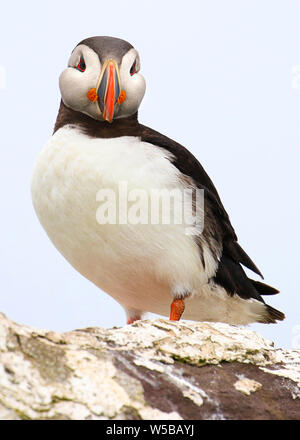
[156, 370]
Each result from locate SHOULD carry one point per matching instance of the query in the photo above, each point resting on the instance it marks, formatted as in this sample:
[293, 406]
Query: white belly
[140, 264]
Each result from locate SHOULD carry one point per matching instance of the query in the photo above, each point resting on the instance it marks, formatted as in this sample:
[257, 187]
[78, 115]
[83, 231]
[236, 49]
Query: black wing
[230, 273]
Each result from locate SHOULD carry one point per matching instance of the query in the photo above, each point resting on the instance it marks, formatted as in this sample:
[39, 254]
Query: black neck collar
[97, 129]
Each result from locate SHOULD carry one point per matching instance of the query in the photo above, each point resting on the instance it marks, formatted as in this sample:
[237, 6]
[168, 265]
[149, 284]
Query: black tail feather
[273, 316]
[264, 289]
[231, 276]
[237, 254]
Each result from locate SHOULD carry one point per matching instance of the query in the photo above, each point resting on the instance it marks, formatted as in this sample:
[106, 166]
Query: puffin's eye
[133, 68]
[81, 65]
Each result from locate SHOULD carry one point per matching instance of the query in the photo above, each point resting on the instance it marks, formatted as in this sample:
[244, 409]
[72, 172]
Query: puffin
[101, 164]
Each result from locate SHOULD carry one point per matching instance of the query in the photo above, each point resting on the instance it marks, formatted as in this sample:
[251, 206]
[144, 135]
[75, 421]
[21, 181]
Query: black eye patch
[81, 65]
[133, 68]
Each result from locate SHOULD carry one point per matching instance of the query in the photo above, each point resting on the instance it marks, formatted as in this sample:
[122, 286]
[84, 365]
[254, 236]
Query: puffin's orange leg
[177, 309]
[132, 320]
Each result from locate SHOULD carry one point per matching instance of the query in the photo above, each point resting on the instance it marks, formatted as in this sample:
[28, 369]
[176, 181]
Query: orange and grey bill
[108, 90]
[109, 99]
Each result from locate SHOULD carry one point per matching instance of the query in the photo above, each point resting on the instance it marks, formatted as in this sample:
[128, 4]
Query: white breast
[139, 264]
[67, 176]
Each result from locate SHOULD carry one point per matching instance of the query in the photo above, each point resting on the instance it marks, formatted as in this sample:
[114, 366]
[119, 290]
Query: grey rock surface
[155, 370]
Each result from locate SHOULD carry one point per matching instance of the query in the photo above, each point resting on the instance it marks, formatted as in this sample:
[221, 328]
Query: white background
[222, 79]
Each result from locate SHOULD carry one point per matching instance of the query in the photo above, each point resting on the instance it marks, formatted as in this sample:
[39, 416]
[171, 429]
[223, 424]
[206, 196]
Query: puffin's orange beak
[108, 89]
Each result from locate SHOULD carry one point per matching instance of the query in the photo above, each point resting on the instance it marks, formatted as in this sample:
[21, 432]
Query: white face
[84, 72]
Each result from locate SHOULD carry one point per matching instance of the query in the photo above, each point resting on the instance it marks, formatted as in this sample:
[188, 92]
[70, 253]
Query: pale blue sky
[219, 80]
